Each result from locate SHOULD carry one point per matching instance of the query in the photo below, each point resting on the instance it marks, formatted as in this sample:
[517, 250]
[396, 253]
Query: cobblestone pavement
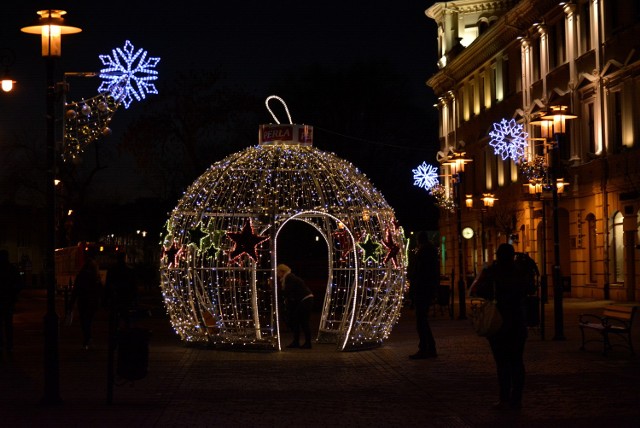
[321, 387]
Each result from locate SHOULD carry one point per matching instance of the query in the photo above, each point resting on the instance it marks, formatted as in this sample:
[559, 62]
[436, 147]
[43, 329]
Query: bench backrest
[620, 312]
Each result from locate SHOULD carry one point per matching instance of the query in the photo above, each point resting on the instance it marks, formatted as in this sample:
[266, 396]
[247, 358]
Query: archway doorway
[303, 248]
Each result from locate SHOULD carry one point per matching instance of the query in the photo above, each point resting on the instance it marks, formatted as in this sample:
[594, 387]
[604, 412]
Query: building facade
[506, 66]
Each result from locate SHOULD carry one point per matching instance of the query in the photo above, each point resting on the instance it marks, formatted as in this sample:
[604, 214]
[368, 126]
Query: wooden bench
[616, 320]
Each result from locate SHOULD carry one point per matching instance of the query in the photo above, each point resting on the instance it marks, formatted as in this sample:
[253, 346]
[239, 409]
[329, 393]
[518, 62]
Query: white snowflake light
[508, 139]
[128, 74]
[425, 176]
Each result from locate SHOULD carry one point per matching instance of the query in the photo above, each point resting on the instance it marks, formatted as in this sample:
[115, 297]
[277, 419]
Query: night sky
[253, 41]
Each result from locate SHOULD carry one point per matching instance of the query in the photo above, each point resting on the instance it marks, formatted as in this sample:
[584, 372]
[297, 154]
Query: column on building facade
[527, 72]
[630, 228]
[571, 32]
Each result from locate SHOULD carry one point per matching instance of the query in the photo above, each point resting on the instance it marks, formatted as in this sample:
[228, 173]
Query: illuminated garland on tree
[535, 170]
[442, 198]
[86, 121]
[218, 292]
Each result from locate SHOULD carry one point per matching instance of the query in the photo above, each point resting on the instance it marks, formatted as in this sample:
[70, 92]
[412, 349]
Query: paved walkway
[321, 387]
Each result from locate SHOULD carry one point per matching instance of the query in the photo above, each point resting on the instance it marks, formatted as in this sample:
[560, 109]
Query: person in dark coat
[121, 295]
[87, 291]
[424, 278]
[507, 345]
[299, 303]
[9, 288]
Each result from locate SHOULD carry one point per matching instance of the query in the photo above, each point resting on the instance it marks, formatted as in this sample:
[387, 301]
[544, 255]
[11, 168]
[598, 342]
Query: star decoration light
[392, 249]
[508, 139]
[342, 244]
[196, 236]
[425, 176]
[246, 242]
[370, 249]
[128, 74]
[172, 254]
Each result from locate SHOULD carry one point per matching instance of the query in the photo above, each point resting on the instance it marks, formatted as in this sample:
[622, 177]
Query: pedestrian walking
[87, 291]
[507, 345]
[299, 303]
[424, 278]
[10, 284]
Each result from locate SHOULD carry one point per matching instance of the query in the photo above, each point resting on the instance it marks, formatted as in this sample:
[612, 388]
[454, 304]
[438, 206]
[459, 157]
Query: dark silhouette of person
[424, 278]
[507, 345]
[299, 303]
[10, 283]
[121, 294]
[87, 291]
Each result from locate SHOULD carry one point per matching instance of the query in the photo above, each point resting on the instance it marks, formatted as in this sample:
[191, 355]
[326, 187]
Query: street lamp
[7, 57]
[488, 200]
[559, 115]
[456, 161]
[51, 27]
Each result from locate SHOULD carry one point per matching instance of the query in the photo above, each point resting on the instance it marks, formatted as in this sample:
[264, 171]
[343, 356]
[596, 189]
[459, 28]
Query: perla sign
[286, 134]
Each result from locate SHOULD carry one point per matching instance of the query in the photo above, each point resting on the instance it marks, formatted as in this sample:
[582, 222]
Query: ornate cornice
[505, 31]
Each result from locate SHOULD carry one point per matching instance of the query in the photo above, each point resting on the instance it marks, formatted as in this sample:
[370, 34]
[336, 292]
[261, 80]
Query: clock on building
[467, 233]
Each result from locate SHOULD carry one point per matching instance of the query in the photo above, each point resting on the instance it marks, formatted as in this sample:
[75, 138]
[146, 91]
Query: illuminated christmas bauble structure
[218, 267]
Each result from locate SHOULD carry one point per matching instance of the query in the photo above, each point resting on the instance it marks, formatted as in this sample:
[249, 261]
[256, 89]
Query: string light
[217, 296]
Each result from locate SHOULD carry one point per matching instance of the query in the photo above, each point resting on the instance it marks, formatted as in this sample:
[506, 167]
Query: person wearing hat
[298, 300]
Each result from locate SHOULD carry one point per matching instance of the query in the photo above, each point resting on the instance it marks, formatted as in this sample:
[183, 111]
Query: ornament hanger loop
[286, 109]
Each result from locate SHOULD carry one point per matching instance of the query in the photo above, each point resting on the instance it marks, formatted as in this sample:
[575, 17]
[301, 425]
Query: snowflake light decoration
[508, 139]
[128, 74]
[425, 176]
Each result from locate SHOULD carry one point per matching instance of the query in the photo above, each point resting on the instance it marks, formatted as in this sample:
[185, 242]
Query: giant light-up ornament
[221, 243]
[509, 140]
[128, 74]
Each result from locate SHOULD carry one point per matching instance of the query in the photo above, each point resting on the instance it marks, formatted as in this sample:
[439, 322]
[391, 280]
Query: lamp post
[51, 27]
[456, 162]
[559, 115]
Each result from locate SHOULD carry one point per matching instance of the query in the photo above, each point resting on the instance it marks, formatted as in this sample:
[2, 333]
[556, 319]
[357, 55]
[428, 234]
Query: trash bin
[133, 353]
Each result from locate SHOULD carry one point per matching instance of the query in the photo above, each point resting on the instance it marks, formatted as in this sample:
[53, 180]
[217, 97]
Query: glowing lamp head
[468, 201]
[7, 85]
[488, 199]
[51, 27]
[559, 114]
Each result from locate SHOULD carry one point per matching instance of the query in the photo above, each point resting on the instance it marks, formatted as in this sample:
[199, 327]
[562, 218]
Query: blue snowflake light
[508, 139]
[128, 74]
[425, 176]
